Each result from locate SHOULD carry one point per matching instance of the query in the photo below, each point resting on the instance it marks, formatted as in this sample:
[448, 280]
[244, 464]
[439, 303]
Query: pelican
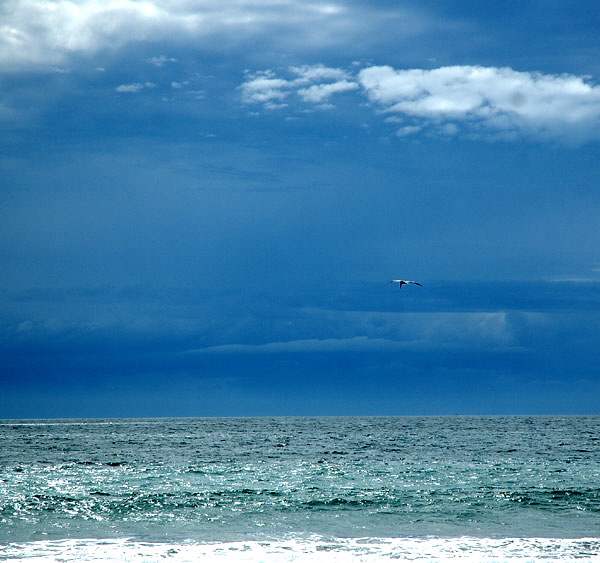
[404, 282]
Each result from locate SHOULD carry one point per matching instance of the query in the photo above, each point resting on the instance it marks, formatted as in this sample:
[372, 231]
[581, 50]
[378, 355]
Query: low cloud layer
[355, 344]
[468, 100]
[391, 332]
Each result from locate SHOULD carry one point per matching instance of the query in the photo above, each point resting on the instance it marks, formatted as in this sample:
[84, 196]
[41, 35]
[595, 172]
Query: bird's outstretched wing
[403, 282]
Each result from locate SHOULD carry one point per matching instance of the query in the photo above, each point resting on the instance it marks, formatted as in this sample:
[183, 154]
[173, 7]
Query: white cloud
[314, 84]
[472, 100]
[495, 99]
[408, 130]
[135, 87]
[317, 73]
[320, 92]
[273, 106]
[130, 88]
[264, 87]
[47, 31]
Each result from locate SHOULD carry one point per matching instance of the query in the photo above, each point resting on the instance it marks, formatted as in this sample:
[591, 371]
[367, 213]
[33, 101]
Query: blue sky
[203, 202]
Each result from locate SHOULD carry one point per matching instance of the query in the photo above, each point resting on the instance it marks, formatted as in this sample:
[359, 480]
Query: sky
[202, 203]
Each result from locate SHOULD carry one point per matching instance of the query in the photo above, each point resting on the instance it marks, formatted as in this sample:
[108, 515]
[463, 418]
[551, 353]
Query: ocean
[301, 489]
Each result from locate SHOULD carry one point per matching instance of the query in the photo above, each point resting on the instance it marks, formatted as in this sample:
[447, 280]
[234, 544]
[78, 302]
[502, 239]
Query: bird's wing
[416, 283]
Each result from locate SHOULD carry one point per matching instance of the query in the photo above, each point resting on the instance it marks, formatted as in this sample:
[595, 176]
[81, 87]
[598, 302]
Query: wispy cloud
[161, 60]
[130, 88]
[473, 100]
[134, 88]
[355, 344]
[318, 93]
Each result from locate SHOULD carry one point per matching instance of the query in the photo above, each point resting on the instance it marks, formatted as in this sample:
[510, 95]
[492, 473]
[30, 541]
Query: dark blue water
[225, 481]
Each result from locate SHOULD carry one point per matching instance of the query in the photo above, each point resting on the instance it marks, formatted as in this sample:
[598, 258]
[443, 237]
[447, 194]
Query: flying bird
[403, 282]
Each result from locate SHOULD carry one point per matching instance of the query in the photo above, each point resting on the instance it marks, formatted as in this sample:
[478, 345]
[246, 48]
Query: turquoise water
[345, 487]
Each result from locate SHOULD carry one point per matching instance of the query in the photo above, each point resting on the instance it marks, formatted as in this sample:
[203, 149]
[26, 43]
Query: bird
[403, 282]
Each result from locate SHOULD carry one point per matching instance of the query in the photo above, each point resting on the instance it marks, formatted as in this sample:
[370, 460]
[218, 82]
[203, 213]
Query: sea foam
[463, 549]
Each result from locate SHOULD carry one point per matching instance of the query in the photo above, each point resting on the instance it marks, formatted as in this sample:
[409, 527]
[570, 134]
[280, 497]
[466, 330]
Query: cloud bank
[468, 100]
[385, 332]
[495, 99]
[47, 31]
[355, 344]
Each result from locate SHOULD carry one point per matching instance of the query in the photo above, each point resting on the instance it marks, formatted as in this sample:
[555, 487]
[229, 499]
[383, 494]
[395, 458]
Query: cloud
[160, 61]
[470, 100]
[316, 73]
[488, 98]
[313, 84]
[385, 332]
[318, 93]
[134, 88]
[355, 344]
[262, 87]
[408, 130]
[48, 31]
[130, 88]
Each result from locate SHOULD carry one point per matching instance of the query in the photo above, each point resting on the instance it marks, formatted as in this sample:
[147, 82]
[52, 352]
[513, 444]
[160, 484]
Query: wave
[103, 504]
[325, 550]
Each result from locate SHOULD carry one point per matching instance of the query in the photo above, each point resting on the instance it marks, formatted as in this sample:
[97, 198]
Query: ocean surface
[301, 489]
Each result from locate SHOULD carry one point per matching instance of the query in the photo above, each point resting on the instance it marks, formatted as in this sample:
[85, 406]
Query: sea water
[301, 489]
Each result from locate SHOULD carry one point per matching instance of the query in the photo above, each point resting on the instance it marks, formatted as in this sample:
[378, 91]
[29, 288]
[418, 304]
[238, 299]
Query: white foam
[366, 550]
